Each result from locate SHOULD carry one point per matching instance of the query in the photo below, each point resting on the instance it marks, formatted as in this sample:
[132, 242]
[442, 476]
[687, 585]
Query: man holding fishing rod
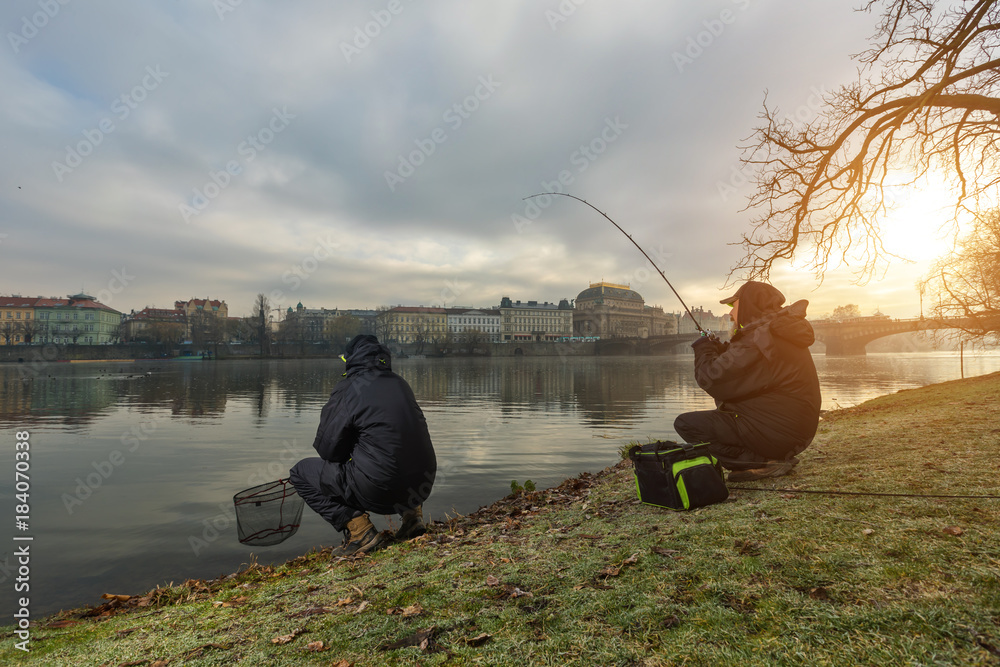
[764, 384]
[763, 380]
[375, 453]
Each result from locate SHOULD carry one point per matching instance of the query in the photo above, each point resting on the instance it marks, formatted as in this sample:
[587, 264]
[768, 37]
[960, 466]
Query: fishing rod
[617, 226]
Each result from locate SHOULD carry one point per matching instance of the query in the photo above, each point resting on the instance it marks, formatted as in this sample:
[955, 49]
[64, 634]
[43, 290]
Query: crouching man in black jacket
[764, 384]
[375, 453]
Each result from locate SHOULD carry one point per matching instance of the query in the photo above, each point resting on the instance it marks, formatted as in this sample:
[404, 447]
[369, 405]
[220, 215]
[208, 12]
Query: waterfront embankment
[582, 574]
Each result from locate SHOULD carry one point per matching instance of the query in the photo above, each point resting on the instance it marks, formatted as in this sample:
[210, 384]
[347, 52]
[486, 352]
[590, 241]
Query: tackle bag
[678, 476]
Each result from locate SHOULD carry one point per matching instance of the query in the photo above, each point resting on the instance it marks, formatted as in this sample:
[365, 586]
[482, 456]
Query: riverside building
[609, 310]
[532, 321]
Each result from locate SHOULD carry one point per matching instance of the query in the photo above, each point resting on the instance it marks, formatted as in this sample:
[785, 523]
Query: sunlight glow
[917, 225]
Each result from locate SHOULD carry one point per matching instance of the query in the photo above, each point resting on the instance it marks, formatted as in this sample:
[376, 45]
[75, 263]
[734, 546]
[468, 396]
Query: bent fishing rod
[629, 237]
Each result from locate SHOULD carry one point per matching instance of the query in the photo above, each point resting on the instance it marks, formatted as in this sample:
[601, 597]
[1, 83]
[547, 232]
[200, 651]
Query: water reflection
[190, 434]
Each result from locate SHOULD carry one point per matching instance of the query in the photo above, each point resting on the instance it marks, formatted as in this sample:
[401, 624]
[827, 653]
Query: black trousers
[734, 442]
[318, 483]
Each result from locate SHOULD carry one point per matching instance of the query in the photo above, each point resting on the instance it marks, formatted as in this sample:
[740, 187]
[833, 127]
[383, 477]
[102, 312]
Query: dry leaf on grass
[361, 607]
[953, 530]
[478, 641]
[423, 639]
[867, 531]
[316, 646]
[413, 610]
[284, 639]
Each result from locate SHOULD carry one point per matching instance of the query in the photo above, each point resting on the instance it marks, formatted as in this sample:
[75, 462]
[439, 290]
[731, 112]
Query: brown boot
[361, 537]
[412, 525]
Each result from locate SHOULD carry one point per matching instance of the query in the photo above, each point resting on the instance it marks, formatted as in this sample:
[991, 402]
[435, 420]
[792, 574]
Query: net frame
[259, 521]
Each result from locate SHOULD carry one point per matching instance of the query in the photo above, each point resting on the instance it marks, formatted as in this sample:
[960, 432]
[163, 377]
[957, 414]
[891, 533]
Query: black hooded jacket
[374, 427]
[766, 373]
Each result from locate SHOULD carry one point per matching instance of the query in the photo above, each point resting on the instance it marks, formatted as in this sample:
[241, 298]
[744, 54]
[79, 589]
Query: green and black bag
[678, 476]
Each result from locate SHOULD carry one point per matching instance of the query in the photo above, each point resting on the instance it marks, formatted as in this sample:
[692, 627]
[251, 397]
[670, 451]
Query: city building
[472, 325]
[155, 325]
[77, 320]
[206, 320]
[308, 324]
[412, 324]
[17, 320]
[608, 310]
[367, 319]
[533, 321]
[707, 320]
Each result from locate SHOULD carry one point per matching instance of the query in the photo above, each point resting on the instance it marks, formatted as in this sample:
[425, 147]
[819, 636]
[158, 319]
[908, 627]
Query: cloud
[470, 107]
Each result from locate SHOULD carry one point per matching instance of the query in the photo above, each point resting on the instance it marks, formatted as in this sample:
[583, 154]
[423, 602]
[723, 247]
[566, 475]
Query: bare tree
[260, 314]
[965, 284]
[29, 330]
[341, 329]
[383, 326]
[928, 101]
[7, 331]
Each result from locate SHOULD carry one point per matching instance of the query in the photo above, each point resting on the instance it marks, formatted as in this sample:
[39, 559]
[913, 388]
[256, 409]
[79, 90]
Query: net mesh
[268, 514]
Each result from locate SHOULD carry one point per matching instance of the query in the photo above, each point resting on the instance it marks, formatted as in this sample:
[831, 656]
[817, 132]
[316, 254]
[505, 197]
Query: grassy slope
[583, 574]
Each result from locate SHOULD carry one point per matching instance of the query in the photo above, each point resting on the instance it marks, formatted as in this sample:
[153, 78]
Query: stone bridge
[646, 346]
[849, 337]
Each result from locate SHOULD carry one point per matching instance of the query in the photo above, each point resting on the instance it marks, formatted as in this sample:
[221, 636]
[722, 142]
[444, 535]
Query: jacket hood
[788, 324]
[757, 300]
[365, 352]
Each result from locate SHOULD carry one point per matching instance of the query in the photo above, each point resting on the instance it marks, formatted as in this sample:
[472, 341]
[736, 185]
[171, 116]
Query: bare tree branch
[927, 104]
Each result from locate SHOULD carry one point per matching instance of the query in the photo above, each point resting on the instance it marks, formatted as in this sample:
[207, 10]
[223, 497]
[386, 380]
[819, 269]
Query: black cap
[730, 300]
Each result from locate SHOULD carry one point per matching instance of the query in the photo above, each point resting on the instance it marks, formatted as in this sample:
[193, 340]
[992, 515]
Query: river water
[133, 465]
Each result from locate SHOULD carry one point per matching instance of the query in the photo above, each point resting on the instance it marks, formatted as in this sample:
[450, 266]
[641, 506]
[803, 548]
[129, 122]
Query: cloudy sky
[361, 154]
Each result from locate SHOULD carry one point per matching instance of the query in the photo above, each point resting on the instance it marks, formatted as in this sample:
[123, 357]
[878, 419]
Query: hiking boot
[360, 537]
[412, 526]
[770, 469]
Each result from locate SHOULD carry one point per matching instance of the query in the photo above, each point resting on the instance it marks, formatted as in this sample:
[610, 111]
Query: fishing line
[864, 493]
[542, 194]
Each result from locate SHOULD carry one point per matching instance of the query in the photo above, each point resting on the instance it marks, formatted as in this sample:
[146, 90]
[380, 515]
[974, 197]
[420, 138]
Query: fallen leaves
[284, 639]
[953, 530]
[226, 604]
[615, 570]
[424, 640]
[478, 640]
[748, 547]
[406, 612]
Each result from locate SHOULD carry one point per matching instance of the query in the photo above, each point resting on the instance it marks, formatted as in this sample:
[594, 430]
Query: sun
[917, 225]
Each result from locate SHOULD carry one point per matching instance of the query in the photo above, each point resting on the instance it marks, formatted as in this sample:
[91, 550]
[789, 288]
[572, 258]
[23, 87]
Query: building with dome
[609, 310]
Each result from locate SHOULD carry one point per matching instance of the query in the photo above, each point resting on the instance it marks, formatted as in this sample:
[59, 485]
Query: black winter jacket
[766, 376]
[374, 427]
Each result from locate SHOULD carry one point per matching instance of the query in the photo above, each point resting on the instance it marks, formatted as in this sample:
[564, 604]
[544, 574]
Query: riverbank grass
[584, 574]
